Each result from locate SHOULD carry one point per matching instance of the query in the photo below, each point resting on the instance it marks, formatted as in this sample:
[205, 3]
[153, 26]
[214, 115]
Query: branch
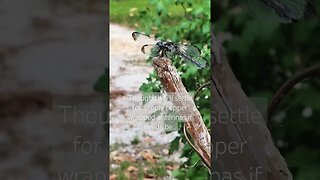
[289, 84]
[200, 89]
[193, 122]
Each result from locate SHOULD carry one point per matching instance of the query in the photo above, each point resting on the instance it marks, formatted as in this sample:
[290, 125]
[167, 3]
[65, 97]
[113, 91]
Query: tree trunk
[242, 146]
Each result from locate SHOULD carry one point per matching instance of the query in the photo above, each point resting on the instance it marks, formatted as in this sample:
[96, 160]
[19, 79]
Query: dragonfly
[154, 47]
[285, 11]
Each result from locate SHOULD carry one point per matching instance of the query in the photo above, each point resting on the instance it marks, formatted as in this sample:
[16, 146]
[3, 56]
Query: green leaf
[177, 173]
[174, 145]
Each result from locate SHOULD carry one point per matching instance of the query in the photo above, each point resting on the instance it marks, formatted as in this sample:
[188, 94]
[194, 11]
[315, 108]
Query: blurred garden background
[264, 54]
[51, 54]
[143, 154]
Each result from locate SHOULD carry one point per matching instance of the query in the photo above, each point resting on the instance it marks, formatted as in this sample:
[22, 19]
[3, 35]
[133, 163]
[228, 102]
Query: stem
[289, 84]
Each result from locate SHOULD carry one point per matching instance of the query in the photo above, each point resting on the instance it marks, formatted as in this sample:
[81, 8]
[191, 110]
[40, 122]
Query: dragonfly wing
[143, 38]
[200, 62]
[280, 10]
[193, 54]
[189, 49]
[150, 50]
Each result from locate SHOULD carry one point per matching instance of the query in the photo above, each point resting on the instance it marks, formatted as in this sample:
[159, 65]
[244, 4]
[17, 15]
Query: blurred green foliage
[126, 11]
[264, 54]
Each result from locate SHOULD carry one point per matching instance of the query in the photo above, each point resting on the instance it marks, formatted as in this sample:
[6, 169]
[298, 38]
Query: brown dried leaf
[132, 169]
[149, 140]
[149, 156]
[169, 167]
[123, 158]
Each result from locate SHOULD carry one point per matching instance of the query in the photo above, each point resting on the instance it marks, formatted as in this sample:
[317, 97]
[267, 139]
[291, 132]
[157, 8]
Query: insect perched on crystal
[285, 11]
[157, 48]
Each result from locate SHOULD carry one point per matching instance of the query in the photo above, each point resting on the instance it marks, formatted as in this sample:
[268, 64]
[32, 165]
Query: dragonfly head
[160, 44]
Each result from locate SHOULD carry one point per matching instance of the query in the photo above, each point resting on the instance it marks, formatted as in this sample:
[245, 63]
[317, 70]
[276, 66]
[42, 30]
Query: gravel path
[129, 70]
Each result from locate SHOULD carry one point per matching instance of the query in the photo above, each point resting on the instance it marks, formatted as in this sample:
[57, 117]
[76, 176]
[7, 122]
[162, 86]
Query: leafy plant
[192, 26]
